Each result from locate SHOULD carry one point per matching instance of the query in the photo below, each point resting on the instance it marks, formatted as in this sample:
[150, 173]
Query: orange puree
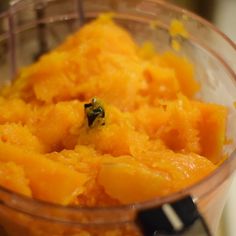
[143, 136]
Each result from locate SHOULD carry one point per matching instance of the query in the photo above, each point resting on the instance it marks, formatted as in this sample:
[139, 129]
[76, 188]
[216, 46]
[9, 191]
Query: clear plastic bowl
[30, 28]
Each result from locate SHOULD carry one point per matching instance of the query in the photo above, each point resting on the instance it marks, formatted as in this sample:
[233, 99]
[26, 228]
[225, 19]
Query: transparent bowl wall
[26, 31]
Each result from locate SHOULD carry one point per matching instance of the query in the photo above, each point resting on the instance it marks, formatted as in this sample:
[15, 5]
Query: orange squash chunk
[184, 71]
[150, 119]
[212, 130]
[163, 173]
[56, 122]
[132, 183]
[48, 180]
[180, 132]
[12, 177]
[161, 83]
[183, 169]
[13, 110]
[21, 136]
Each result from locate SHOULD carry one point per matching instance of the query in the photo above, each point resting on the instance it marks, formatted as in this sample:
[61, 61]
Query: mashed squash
[100, 121]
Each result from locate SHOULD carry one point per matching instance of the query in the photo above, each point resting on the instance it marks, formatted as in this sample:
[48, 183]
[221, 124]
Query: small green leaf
[95, 113]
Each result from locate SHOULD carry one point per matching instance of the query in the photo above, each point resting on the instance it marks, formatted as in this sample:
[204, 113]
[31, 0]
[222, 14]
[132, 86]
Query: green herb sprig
[95, 113]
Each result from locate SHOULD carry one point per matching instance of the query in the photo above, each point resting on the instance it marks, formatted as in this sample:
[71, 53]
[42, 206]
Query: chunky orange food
[102, 121]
